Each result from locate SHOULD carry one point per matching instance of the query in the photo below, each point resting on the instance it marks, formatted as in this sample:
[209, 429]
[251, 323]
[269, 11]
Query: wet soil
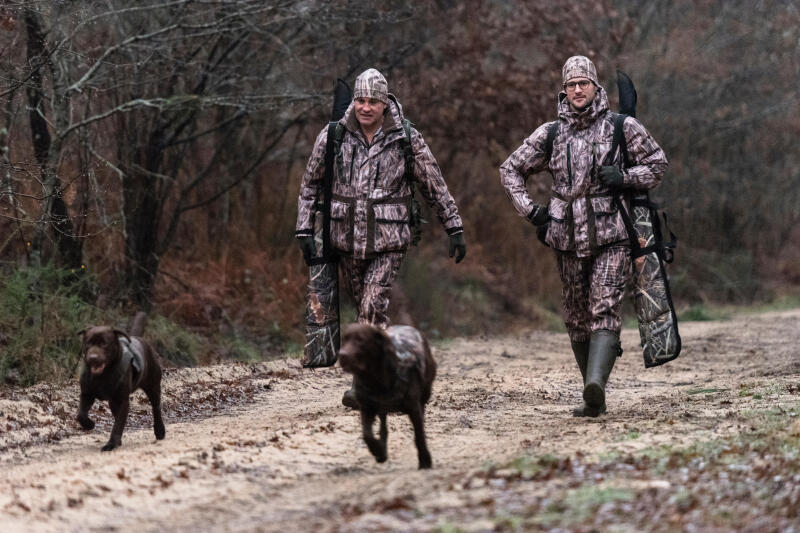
[268, 447]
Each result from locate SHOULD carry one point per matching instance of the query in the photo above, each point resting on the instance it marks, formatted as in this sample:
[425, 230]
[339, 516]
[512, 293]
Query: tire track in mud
[267, 447]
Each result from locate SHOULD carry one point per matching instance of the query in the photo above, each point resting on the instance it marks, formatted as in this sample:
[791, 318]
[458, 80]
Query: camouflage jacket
[583, 216]
[371, 201]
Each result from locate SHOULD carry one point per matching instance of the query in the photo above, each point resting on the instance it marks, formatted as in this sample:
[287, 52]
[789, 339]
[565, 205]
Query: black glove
[308, 248]
[458, 244]
[538, 215]
[610, 176]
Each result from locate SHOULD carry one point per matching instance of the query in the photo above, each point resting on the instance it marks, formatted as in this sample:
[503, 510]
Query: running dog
[114, 366]
[393, 371]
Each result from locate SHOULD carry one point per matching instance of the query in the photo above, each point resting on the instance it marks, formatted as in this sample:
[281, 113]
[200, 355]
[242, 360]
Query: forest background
[151, 155]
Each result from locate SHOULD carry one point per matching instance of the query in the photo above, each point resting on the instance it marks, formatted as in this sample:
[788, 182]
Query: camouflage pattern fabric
[593, 288]
[369, 283]
[582, 211]
[371, 84]
[371, 200]
[657, 328]
[322, 309]
[579, 67]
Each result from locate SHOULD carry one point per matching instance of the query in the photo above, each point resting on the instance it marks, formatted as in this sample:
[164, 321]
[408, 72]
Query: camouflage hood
[392, 117]
[581, 120]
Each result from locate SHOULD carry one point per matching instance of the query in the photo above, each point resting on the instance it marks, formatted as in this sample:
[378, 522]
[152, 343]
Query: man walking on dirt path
[581, 222]
[371, 207]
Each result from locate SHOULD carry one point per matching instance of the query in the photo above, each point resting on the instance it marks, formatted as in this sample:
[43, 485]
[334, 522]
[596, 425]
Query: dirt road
[269, 448]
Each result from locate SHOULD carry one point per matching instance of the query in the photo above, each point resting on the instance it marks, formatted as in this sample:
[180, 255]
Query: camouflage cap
[371, 84]
[579, 67]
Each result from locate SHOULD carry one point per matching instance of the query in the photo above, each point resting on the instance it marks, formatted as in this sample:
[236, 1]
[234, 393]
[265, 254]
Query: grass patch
[703, 313]
[631, 435]
[712, 390]
[579, 504]
[41, 312]
[174, 343]
[528, 466]
[240, 349]
[447, 527]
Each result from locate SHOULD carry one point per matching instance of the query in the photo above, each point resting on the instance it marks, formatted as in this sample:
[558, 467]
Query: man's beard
[583, 108]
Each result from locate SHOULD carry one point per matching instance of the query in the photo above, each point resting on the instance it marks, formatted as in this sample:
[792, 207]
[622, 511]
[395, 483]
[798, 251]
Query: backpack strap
[332, 147]
[552, 132]
[414, 213]
[338, 135]
[408, 153]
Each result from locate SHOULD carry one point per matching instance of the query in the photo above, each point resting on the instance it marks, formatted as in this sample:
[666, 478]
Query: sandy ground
[269, 447]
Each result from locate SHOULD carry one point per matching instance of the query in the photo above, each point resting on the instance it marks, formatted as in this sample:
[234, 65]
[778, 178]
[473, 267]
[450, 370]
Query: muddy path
[268, 447]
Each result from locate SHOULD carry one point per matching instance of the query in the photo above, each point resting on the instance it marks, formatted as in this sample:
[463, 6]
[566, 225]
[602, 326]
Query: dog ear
[121, 333]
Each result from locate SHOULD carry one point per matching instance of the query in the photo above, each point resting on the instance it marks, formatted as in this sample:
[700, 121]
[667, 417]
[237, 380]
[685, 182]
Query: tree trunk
[54, 209]
[141, 210]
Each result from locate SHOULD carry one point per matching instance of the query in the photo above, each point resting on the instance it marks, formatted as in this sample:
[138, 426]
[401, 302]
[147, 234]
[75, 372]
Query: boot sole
[594, 396]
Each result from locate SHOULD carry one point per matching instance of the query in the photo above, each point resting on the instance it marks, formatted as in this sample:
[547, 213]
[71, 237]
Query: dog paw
[108, 447]
[160, 431]
[425, 463]
[86, 423]
[381, 458]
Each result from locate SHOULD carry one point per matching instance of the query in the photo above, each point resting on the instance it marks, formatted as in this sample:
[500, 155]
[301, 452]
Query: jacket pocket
[391, 232]
[609, 226]
[341, 226]
[559, 232]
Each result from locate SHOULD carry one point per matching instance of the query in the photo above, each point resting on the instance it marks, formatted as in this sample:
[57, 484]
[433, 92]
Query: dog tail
[138, 324]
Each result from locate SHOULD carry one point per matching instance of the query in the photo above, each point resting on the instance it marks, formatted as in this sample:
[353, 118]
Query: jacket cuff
[627, 179]
[453, 231]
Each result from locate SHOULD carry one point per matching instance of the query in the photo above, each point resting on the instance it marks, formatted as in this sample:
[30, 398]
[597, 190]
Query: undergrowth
[44, 309]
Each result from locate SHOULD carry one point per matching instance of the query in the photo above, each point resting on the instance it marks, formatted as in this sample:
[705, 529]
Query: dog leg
[83, 412]
[120, 411]
[384, 434]
[154, 395]
[417, 416]
[375, 448]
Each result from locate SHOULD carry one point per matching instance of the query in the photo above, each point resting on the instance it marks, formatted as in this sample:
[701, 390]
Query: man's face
[580, 93]
[369, 112]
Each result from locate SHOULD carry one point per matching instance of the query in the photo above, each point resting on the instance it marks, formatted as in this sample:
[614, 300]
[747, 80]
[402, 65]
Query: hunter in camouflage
[371, 202]
[582, 223]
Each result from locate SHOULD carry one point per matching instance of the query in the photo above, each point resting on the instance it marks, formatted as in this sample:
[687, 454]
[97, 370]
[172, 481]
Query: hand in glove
[538, 215]
[610, 176]
[308, 248]
[458, 244]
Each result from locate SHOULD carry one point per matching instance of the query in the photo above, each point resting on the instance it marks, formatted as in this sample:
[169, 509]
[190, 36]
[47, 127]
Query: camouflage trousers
[593, 288]
[369, 282]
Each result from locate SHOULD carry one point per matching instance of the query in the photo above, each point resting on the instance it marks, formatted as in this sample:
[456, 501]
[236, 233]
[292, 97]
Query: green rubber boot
[604, 349]
[581, 351]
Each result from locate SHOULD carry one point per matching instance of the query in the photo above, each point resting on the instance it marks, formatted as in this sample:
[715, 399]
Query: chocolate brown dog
[115, 365]
[393, 371]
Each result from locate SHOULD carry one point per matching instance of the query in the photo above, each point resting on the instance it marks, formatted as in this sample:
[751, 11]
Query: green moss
[175, 343]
